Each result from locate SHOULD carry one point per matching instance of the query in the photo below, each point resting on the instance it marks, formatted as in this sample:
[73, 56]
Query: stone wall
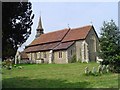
[63, 59]
[39, 56]
[71, 51]
[78, 45]
[93, 45]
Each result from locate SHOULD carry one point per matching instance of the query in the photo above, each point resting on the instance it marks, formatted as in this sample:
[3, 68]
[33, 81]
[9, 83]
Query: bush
[105, 62]
[115, 64]
[3, 64]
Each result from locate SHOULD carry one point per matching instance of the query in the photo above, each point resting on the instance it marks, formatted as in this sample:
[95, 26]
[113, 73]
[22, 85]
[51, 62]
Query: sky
[57, 15]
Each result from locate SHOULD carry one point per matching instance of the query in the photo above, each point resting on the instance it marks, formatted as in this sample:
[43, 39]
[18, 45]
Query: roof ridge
[81, 27]
[77, 33]
[55, 31]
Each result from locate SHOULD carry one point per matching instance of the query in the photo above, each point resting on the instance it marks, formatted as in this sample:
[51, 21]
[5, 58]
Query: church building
[62, 46]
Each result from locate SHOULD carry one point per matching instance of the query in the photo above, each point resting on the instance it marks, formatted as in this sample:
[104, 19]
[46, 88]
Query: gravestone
[86, 70]
[100, 69]
[107, 68]
[94, 70]
[103, 69]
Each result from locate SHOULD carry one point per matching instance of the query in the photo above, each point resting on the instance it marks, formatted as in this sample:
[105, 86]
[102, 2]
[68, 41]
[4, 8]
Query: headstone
[94, 70]
[100, 69]
[20, 67]
[86, 70]
[103, 69]
[107, 68]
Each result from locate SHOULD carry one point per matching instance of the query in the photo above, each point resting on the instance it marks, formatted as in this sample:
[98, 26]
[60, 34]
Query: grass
[56, 76]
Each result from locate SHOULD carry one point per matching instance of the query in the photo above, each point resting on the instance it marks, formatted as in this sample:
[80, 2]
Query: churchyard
[72, 75]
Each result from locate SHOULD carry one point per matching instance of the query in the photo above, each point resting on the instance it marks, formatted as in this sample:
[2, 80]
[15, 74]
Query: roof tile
[63, 37]
[77, 33]
[42, 47]
[64, 45]
[50, 37]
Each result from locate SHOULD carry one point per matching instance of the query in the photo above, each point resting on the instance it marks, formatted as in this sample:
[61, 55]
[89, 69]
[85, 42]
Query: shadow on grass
[24, 82]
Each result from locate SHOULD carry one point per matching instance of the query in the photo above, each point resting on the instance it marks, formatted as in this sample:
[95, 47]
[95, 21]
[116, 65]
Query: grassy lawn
[56, 76]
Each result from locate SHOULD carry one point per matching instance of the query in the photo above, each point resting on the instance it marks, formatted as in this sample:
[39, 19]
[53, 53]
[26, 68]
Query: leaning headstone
[86, 70]
[94, 70]
[100, 69]
[103, 69]
[15, 65]
[107, 68]
[20, 67]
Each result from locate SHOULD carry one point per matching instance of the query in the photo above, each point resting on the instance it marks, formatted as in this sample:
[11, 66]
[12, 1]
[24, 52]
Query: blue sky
[57, 15]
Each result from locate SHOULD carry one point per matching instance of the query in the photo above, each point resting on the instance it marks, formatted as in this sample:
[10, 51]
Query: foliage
[56, 76]
[110, 43]
[16, 26]
[7, 64]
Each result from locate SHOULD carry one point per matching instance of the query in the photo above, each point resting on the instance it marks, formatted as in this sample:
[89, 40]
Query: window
[60, 54]
[45, 56]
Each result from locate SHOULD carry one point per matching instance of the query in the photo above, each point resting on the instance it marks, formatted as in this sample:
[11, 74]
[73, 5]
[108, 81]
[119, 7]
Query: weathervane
[91, 22]
[68, 26]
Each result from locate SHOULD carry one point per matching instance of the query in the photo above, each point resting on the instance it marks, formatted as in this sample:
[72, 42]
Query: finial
[91, 22]
[68, 26]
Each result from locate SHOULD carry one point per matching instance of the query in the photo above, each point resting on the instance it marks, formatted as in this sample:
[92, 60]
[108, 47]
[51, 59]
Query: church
[61, 46]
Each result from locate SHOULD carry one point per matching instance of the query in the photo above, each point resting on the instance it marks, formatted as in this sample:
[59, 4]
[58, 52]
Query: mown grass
[56, 76]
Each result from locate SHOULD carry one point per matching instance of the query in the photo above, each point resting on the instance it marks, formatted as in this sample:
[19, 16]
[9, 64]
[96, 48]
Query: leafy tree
[110, 44]
[16, 26]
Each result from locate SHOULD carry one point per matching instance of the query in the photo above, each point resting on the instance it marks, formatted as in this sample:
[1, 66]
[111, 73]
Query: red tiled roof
[77, 33]
[50, 37]
[49, 40]
[64, 46]
[42, 47]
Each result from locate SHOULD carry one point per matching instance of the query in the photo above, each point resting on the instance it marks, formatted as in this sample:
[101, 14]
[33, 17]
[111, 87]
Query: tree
[110, 44]
[16, 26]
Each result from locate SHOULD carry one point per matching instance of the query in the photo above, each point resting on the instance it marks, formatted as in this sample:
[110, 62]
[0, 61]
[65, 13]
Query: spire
[39, 29]
[39, 24]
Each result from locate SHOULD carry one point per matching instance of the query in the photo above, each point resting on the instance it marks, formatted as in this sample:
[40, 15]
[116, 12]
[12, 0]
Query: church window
[60, 54]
